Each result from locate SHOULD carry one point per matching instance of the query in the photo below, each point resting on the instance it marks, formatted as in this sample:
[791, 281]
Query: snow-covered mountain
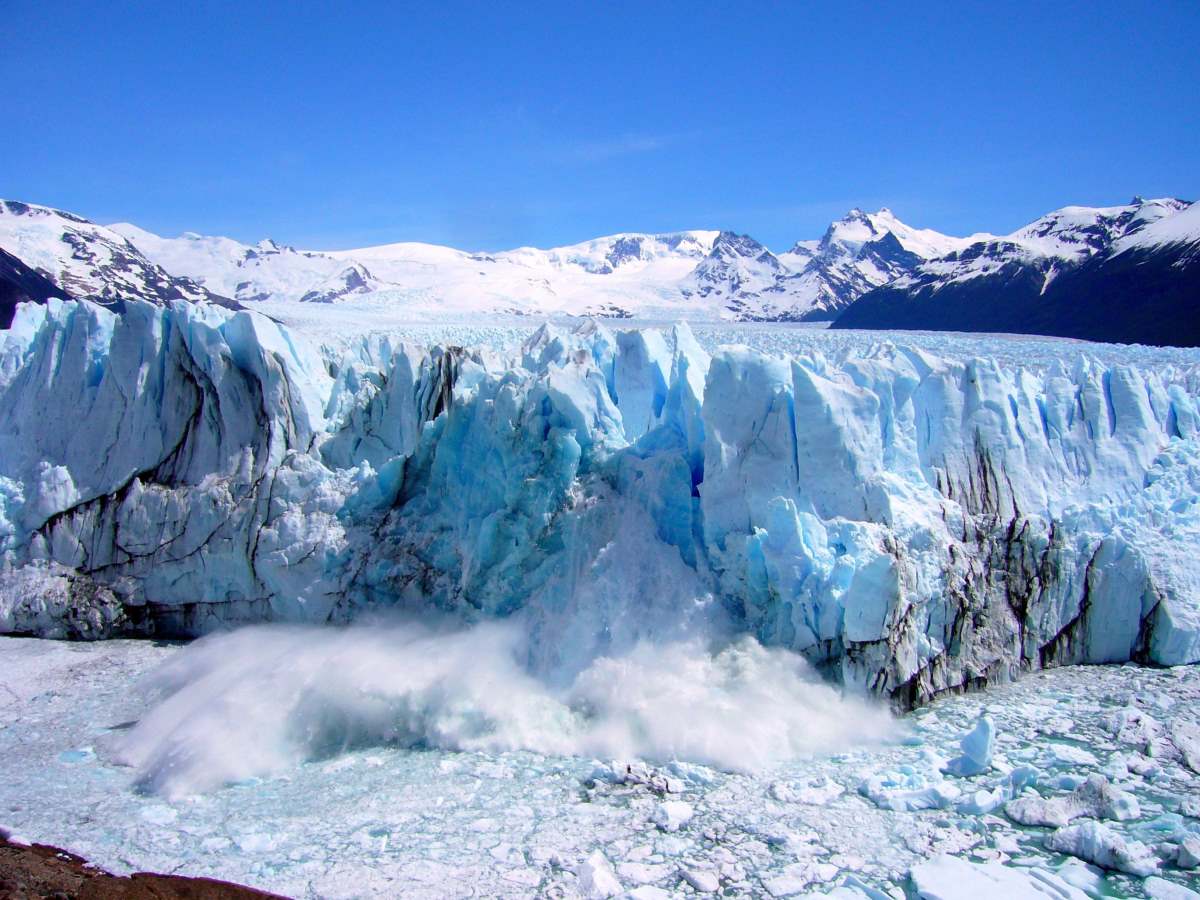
[1124, 273]
[894, 275]
[697, 274]
[82, 259]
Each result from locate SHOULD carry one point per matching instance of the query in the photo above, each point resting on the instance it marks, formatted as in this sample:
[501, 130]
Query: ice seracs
[913, 523]
[977, 749]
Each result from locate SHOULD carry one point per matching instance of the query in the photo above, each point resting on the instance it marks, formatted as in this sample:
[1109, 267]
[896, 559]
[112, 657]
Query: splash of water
[265, 698]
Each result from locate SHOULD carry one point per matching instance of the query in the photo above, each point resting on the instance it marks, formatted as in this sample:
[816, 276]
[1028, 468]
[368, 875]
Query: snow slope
[913, 522]
[699, 274]
[87, 260]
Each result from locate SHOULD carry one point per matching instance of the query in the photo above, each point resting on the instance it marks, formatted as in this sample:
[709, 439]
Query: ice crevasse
[913, 524]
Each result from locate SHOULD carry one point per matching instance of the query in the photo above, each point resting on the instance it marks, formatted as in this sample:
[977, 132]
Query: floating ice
[1188, 856]
[672, 815]
[596, 877]
[1160, 889]
[948, 878]
[906, 789]
[977, 749]
[1095, 798]
[1100, 845]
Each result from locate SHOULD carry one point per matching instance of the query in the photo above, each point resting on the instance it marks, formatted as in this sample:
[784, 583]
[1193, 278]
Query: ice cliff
[913, 524]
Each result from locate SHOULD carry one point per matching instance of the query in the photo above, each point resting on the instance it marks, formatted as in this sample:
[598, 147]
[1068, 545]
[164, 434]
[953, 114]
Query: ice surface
[948, 878]
[380, 818]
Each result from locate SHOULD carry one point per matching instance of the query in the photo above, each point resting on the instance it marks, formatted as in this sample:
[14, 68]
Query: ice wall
[915, 524]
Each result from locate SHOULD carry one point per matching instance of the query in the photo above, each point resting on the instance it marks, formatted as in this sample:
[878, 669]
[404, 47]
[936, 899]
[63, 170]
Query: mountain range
[869, 270]
[1128, 274]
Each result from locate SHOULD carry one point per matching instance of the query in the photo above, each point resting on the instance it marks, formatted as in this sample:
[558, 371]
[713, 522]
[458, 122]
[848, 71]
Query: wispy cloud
[600, 150]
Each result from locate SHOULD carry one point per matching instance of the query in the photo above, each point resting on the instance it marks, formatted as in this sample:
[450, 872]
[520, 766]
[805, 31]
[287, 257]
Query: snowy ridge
[699, 274]
[87, 260]
[1127, 274]
[1065, 237]
[914, 523]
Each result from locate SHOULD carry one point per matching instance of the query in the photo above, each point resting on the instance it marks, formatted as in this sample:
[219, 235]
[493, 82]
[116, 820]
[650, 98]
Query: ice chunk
[1160, 889]
[1070, 755]
[977, 748]
[950, 878]
[1134, 726]
[597, 880]
[816, 791]
[704, 881]
[1095, 798]
[1186, 738]
[1188, 856]
[1100, 845]
[797, 877]
[648, 892]
[673, 815]
[982, 802]
[907, 790]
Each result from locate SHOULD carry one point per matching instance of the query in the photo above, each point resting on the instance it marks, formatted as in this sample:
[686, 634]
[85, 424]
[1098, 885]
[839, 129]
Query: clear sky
[492, 125]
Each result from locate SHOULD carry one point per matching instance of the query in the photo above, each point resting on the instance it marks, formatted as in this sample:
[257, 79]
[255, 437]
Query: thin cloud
[611, 148]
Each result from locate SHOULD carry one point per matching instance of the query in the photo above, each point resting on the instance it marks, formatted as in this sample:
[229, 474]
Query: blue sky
[484, 127]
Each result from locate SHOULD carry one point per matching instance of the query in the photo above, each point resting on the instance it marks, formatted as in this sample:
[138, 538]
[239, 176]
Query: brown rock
[42, 872]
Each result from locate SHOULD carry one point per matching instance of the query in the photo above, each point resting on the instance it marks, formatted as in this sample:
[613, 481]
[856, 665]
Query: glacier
[911, 523]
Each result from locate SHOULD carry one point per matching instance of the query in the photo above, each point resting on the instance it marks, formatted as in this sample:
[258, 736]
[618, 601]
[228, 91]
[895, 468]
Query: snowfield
[374, 818]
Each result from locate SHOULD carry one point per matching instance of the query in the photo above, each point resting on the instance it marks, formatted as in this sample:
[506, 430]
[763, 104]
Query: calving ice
[910, 523]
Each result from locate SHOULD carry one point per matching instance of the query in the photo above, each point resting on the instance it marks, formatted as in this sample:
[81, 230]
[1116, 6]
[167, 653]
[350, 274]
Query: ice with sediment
[912, 521]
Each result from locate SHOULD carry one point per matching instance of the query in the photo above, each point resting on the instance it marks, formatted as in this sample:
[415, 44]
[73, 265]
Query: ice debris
[1188, 856]
[704, 881]
[1100, 845]
[949, 878]
[1157, 888]
[1095, 798]
[906, 789]
[1186, 738]
[672, 815]
[596, 877]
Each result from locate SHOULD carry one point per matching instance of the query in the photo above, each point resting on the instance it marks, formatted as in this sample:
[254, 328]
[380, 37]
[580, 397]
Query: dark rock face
[1140, 296]
[21, 284]
[354, 279]
[1096, 275]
